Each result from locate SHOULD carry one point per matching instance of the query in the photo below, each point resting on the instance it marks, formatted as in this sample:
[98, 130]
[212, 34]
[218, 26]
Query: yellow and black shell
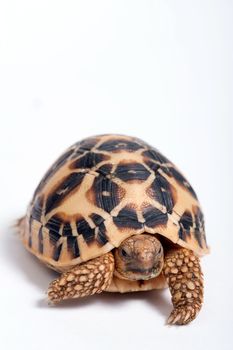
[104, 189]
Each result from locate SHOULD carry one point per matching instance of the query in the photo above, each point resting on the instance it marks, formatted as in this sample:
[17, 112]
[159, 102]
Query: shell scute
[62, 190]
[154, 217]
[127, 217]
[117, 145]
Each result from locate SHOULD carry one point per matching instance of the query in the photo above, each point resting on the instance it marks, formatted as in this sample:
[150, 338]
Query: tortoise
[113, 214]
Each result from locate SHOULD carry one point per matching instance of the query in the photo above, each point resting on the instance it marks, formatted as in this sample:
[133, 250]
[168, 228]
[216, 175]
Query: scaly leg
[183, 272]
[91, 277]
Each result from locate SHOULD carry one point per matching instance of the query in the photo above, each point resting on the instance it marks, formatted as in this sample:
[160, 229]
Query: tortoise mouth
[142, 273]
[138, 273]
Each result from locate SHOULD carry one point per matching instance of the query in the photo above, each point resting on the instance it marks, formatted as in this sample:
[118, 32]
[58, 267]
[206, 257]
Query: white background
[159, 70]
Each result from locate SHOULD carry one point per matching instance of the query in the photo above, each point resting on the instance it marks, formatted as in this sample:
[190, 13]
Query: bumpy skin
[89, 278]
[183, 272]
[181, 269]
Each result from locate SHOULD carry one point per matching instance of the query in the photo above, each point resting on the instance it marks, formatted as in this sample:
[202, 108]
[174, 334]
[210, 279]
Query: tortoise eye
[124, 253]
[160, 250]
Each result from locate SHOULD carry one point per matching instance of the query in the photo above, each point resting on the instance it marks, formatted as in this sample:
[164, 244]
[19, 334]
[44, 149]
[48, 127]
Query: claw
[177, 318]
[181, 316]
[174, 317]
[186, 317]
[170, 318]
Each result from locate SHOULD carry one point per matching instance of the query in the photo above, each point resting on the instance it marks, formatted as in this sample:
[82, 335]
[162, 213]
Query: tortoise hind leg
[183, 272]
[91, 277]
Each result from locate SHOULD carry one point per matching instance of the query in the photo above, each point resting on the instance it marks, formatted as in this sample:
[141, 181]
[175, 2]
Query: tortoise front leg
[93, 276]
[183, 272]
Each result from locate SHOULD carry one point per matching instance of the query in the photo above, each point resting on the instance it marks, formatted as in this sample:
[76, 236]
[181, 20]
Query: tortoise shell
[104, 189]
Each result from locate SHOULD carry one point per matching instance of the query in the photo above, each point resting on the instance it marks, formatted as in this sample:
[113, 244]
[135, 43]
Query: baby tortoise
[113, 214]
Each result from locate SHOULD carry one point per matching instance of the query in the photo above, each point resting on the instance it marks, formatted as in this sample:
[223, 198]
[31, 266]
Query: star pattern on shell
[104, 189]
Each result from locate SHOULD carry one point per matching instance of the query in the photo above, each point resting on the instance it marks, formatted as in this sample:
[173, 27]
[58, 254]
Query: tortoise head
[139, 257]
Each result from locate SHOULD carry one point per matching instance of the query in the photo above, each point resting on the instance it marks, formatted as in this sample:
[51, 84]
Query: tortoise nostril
[147, 256]
[146, 261]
